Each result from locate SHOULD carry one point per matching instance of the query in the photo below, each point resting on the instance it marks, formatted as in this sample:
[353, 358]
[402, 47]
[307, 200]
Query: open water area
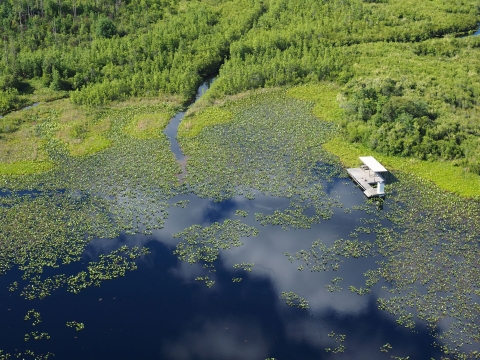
[160, 312]
[167, 309]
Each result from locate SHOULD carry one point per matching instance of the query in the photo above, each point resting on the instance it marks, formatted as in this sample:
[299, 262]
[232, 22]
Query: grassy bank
[25, 167]
[31, 138]
[445, 174]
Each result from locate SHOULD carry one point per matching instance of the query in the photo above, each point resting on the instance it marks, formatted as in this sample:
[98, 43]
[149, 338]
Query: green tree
[106, 28]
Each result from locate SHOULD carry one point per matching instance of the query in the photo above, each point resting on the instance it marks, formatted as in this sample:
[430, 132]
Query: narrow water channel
[26, 107]
[172, 127]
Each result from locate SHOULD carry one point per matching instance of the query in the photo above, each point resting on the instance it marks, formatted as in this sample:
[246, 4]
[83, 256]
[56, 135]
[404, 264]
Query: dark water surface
[160, 312]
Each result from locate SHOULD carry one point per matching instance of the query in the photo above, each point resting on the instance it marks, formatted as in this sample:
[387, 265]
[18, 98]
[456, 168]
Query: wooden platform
[365, 178]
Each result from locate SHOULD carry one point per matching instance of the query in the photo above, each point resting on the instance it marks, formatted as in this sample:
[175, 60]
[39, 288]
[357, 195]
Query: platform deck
[364, 178]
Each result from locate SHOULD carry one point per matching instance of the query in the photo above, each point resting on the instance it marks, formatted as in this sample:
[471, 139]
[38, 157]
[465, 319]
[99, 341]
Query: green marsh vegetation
[271, 143]
[203, 245]
[94, 195]
[330, 104]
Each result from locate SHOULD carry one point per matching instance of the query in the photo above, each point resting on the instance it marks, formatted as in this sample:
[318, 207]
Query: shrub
[106, 28]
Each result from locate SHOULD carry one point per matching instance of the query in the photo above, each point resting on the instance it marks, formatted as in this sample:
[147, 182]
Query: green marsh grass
[25, 167]
[324, 95]
[37, 136]
[148, 126]
[211, 116]
[445, 174]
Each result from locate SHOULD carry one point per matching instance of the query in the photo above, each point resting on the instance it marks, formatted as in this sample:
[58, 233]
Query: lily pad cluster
[46, 229]
[108, 267]
[296, 216]
[37, 319]
[272, 143]
[241, 213]
[77, 325]
[339, 338]
[244, 266]
[206, 279]
[386, 348]
[35, 335]
[203, 244]
[292, 299]
[323, 258]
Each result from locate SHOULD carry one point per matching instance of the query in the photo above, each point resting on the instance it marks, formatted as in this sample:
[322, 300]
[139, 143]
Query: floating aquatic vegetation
[339, 338]
[13, 287]
[426, 243]
[124, 188]
[208, 282]
[77, 325]
[182, 203]
[431, 259]
[385, 348]
[292, 299]
[108, 267]
[36, 317]
[244, 266]
[203, 245]
[236, 279]
[333, 288]
[31, 353]
[241, 213]
[272, 144]
[359, 291]
[295, 216]
[35, 335]
[42, 230]
[323, 258]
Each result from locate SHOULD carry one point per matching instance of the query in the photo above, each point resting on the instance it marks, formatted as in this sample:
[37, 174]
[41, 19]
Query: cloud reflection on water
[266, 250]
[216, 339]
[207, 338]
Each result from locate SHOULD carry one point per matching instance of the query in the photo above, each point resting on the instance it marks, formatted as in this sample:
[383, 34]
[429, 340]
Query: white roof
[372, 164]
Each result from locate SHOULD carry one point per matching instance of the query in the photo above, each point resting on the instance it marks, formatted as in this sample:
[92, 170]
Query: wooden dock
[365, 178]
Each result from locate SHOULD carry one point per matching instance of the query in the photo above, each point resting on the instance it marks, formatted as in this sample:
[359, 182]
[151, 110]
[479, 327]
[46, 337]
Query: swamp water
[160, 312]
[240, 298]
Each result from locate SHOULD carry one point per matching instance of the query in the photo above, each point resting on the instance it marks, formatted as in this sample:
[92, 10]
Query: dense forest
[408, 70]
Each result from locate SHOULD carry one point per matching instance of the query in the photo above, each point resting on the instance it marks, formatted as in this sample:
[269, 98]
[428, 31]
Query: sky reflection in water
[160, 312]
